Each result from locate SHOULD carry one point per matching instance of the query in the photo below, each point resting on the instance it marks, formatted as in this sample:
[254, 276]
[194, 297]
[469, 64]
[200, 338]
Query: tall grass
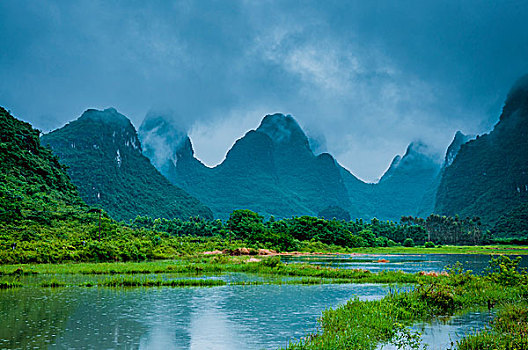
[9, 284]
[199, 266]
[364, 324]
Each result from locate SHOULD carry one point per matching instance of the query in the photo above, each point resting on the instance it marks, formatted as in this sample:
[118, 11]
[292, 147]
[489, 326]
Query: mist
[363, 78]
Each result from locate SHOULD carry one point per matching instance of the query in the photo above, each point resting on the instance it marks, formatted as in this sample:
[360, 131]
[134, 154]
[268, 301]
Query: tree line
[286, 234]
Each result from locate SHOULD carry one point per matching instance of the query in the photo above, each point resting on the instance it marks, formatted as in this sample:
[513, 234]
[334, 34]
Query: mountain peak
[282, 128]
[163, 141]
[454, 147]
[107, 116]
[417, 156]
[517, 97]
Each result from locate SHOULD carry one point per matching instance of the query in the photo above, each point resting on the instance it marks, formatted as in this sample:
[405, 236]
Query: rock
[214, 252]
[266, 252]
[236, 252]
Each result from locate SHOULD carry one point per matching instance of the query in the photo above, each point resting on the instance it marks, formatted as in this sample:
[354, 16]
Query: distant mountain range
[272, 170]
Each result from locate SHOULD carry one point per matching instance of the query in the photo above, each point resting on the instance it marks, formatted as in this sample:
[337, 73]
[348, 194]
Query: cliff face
[489, 175]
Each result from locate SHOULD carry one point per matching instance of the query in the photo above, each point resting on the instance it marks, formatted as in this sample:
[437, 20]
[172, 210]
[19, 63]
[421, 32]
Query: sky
[363, 78]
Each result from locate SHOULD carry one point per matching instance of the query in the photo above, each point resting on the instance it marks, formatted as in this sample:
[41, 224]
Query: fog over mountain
[363, 78]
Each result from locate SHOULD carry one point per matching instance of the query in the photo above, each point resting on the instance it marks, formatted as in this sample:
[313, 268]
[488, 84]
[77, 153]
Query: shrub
[409, 242]
[429, 245]
[272, 262]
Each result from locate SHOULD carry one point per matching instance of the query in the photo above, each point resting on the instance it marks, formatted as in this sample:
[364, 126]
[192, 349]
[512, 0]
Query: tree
[246, 224]
[334, 212]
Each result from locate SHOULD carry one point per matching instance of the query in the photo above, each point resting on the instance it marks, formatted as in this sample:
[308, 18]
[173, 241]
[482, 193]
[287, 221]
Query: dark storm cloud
[367, 76]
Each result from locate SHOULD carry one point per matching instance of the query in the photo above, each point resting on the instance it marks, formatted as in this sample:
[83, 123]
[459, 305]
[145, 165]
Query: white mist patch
[160, 145]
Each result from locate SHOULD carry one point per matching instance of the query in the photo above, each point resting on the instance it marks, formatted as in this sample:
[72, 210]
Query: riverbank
[446, 249]
[366, 324]
[213, 266]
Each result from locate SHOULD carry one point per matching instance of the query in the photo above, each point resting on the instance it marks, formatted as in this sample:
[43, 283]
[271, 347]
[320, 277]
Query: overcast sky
[364, 78]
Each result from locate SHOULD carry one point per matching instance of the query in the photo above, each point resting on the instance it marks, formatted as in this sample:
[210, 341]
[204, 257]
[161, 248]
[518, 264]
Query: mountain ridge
[278, 154]
[489, 175]
[107, 164]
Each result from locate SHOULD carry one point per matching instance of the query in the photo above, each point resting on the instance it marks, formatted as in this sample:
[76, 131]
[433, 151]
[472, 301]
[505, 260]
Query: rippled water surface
[228, 317]
[404, 262]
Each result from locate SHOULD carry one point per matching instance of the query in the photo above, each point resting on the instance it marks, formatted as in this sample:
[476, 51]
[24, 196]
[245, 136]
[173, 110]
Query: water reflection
[229, 317]
[441, 334]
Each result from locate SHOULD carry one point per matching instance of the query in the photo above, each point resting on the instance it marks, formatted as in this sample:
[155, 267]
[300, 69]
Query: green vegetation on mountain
[402, 189]
[489, 176]
[273, 171]
[34, 186]
[105, 162]
[514, 224]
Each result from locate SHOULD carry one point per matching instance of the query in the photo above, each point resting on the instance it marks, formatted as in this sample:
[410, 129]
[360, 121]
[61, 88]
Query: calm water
[404, 262]
[442, 334]
[227, 317]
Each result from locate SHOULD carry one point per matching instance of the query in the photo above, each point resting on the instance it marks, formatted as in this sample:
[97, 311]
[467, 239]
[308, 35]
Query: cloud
[369, 77]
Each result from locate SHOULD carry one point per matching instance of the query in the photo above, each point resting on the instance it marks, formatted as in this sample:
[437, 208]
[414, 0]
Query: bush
[272, 262]
[409, 242]
[429, 245]
[506, 271]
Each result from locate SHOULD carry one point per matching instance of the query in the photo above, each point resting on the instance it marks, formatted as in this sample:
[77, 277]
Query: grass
[365, 324]
[509, 330]
[54, 283]
[9, 285]
[205, 265]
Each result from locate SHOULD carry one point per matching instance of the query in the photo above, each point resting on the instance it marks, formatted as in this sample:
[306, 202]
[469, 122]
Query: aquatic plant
[8, 284]
[54, 283]
[364, 324]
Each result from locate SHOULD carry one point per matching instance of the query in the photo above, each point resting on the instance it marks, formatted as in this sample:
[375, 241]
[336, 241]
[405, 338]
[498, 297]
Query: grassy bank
[365, 324]
[509, 330]
[207, 265]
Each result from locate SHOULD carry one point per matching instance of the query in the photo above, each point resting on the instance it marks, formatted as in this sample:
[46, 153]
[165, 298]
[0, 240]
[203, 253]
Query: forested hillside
[105, 161]
[33, 184]
[489, 176]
